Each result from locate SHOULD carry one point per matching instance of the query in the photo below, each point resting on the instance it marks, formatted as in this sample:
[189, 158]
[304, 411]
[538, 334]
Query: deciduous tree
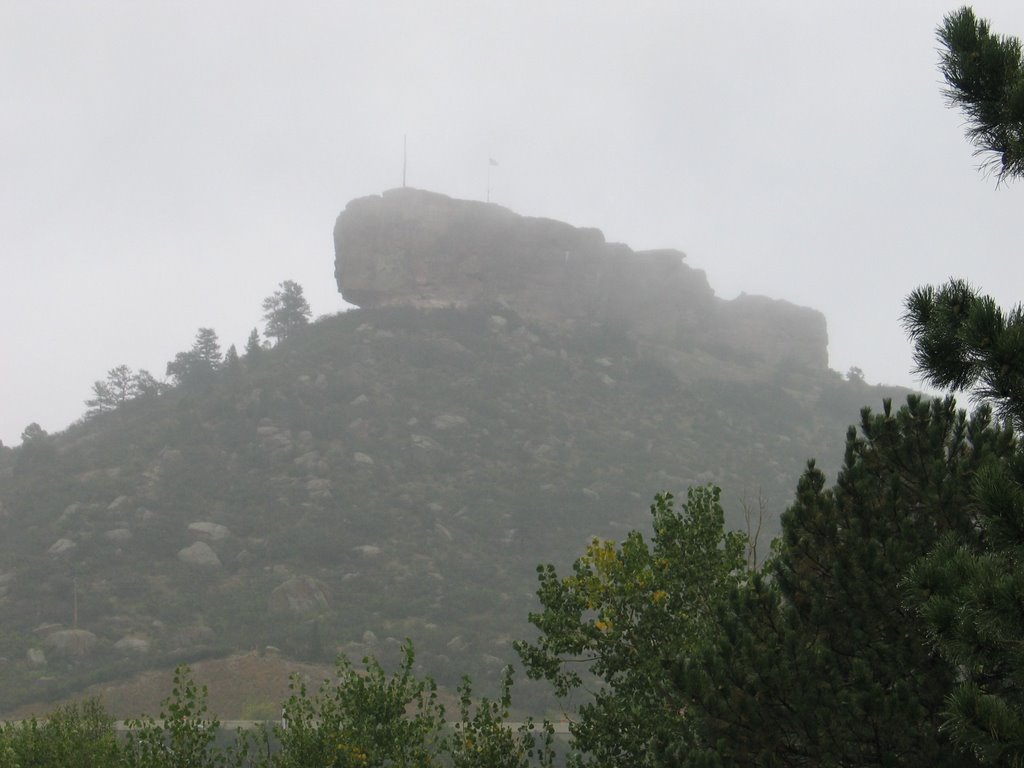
[624, 615]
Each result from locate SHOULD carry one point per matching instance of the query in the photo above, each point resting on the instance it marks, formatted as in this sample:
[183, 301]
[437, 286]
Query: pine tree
[232, 365]
[964, 342]
[970, 589]
[146, 384]
[252, 346]
[821, 662]
[120, 386]
[199, 363]
[286, 311]
[985, 75]
[206, 348]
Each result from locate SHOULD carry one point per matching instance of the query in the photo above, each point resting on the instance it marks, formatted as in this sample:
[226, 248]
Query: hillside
[399, 470]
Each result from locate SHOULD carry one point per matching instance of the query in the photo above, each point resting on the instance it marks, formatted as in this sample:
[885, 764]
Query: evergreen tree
[286, 311]
[985, 75]
[232, 365]
[33, 433]
[820, 661]
[207, 348]
[231, 358]
[964, 342]
[119, 387]
[252, 346]
[970, 589]
[146, 384]
[199, 363]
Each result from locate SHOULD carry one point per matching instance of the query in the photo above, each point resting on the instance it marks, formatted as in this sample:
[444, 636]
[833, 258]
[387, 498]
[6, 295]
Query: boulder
[132, 644]
[209, 531]
[192, 636]
[448, 421]
[118, 504]
[200, 555]
[71, 643]
[60, 546]
[299, 596]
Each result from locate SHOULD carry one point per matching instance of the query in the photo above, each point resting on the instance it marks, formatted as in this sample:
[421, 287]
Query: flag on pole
[493, 161]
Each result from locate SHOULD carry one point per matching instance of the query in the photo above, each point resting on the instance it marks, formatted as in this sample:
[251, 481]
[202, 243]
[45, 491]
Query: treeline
[285, 312]
[357, 719]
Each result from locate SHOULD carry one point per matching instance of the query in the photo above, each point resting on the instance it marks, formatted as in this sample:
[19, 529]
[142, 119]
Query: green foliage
[963, 341]
[483, 739]
[185, 734]
[969, 590]
[269, 452]
[286, 311]
[363, 719]
[820, 662]
[985, 75]
[359, 720]
[626, 614]
[73, 736]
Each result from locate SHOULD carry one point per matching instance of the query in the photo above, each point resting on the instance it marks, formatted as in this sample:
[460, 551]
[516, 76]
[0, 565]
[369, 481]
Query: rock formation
[299, 596]
[409, 246]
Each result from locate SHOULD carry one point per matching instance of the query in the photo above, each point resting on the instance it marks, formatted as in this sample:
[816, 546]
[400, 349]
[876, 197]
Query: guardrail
[121, 726]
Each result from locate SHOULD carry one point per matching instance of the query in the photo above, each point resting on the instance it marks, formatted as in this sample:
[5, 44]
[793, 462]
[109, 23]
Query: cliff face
[420, 248]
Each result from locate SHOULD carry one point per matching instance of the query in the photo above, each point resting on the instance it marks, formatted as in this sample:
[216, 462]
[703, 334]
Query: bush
[74, 736]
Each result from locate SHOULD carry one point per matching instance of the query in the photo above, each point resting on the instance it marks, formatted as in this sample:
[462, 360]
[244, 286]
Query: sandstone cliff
[410, 246]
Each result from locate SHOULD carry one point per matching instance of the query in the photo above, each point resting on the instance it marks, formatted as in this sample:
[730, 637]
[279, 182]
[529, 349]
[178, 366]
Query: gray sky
[165, 165]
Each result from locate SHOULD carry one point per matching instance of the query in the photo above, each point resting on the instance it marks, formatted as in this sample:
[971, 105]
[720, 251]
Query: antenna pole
[405, 156]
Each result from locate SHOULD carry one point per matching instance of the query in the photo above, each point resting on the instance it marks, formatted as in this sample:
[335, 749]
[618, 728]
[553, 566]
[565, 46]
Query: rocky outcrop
[299, 596]
[409, 246]
[208, 531]
[73, 643]
[200, 555]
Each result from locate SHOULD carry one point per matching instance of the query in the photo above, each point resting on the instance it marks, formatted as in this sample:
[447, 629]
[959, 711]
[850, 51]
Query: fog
[166, 164]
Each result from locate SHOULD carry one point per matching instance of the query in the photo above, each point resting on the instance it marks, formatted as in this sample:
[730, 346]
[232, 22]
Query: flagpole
[490, 162]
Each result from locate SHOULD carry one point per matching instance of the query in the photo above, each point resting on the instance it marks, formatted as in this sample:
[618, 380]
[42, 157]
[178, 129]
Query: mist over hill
[509, 388]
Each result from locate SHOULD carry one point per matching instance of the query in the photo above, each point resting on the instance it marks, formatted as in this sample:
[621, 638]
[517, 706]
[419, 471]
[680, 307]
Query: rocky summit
[424, 249]
[509, 388]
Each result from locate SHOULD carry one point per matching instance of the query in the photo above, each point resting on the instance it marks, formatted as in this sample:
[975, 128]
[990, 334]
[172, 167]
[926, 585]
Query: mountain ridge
[394, 471]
